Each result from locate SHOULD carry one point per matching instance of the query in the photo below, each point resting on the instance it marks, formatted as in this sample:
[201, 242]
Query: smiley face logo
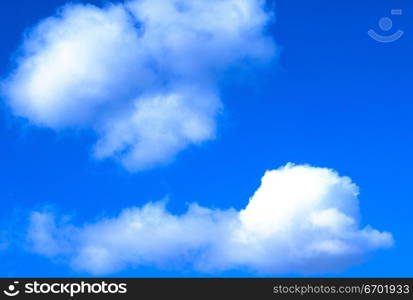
[12, 290]
[386, 24]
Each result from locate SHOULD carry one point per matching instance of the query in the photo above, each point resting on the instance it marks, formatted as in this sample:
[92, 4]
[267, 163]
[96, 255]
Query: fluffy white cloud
[48, 237]
[301, 219]
[159, 126]
[142, 74]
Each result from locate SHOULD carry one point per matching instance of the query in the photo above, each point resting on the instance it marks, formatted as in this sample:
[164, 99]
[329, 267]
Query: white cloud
[48, 237]
[159, 125]
[301, 219]
[143, 75]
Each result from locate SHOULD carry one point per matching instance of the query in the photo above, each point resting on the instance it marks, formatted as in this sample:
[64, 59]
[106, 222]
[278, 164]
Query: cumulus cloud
[301, 219]
[48, 237]
[141, 74]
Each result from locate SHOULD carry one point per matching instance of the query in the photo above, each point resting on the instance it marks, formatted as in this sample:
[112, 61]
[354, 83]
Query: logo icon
[12, 291]
[385, 25]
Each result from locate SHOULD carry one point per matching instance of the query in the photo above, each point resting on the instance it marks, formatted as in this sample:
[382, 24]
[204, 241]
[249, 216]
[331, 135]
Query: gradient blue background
[335, 98]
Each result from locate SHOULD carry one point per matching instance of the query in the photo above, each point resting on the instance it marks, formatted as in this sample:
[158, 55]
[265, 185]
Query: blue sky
[333, 98]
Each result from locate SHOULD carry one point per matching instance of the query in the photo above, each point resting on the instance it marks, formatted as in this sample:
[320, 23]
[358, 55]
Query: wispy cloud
[142, 75]
[301, 219]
